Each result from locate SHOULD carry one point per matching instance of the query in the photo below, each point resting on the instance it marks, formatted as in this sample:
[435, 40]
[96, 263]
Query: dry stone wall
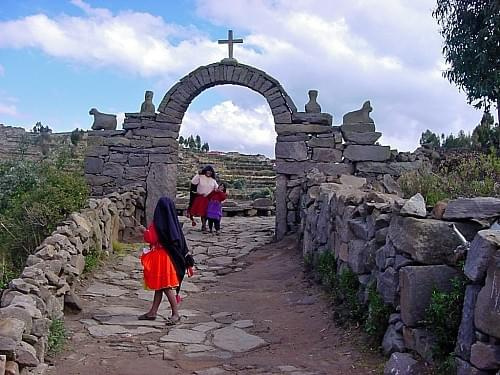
[46, 286]
[395, 246]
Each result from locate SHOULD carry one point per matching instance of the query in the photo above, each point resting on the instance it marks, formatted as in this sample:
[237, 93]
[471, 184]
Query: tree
[205, 147]
[430, 138]
[40, 129]
[181, 140]
[471, 32]
[483, 136]
[198, 142]
[191, 143]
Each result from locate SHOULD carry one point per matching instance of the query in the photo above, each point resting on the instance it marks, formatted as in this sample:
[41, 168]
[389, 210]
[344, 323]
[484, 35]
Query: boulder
[428, 241]
[415, 206]
[401, 364]
[472, 208]
[485, 244]
[291, 150]
[485, 356]
[367, 138]
[466, 333]
[367, 153]
[487, 311]
[392, 341]
[417, 284]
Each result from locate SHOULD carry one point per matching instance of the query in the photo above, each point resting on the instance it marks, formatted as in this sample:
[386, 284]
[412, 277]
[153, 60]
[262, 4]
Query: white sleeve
[195, 180]
[216, 185]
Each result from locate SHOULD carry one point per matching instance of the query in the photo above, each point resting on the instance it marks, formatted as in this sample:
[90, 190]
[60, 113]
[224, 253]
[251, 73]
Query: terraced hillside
[248, 176]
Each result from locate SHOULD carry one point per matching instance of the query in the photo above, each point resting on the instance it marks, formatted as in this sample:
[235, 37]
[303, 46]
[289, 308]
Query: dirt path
[243, 314]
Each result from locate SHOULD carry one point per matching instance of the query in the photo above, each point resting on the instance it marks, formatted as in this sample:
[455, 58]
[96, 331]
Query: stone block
[361, 229]
[367, 153]
[334, 169]
[289, 167]
[135, 173]
[161, 181]
[358, 128]
[401, 364]
[392, 341]
[291, 150]
[93, 165]
[466, 332]
[472, 208]
[387, 285]
[291, 129]
[421, 341]
[485, 356]
[97, 151]
[322, 142]
[416, 286]
[368, 138]
[415, 206]
[427, 241]
[391, 168]
[485, 244]
[327, 155]
[313, 118]
[465, 368]
[292, 138]
[113, 170]
[487, 311]
[135, 160]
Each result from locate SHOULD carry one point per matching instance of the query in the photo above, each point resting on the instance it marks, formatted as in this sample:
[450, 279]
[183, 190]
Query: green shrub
[377, 318]
[57, 337]
[263, 193]
[34, 198]
[327, 269]
[446, 181]
[238, 184]
[442, 317]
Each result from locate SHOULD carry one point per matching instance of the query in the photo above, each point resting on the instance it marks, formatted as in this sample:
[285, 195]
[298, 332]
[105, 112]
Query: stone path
[107, 337]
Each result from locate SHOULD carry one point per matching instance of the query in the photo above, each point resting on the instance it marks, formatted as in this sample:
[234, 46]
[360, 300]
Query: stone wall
[405, 252]
[46, 285]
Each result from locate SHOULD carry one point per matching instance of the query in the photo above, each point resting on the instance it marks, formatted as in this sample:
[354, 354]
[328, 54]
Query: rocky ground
[249, 309]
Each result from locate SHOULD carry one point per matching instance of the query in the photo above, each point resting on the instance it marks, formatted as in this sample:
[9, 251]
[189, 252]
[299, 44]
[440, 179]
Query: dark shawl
[170, 234]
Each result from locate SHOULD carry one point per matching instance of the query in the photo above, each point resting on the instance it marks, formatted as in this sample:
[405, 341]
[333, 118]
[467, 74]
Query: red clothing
[217, 195]
[159, 270]
[199, 207]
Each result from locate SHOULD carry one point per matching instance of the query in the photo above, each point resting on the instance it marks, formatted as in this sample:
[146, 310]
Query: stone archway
[145, 152]
[177, 100]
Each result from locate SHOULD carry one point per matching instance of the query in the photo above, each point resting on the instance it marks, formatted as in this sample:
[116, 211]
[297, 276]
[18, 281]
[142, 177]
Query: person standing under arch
[205, 184]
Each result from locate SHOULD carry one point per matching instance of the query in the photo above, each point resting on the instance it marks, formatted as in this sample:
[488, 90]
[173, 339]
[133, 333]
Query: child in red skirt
[166, 262]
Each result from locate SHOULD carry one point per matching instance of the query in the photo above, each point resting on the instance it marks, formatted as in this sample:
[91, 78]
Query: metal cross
[230, 41]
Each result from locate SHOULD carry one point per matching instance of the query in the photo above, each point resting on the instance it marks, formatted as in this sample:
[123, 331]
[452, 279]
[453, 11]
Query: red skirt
[199, 207]
[159, 270]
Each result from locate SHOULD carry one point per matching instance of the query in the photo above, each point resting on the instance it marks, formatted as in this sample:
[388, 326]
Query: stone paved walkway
[107, 338]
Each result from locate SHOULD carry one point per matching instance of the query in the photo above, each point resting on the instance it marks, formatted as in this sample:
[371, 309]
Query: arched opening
[232, 129]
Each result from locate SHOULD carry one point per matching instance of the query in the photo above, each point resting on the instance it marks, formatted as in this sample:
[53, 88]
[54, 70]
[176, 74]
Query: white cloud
[131, 41]
[389, 52]
[229, 127]
[2, 70]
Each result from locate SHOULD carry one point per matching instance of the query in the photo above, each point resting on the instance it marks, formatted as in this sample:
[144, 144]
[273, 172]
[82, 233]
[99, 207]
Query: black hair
[224, 185]
[211, 169]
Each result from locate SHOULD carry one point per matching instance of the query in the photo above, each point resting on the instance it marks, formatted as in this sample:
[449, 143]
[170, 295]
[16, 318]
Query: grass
[92, 261]
[57, 337]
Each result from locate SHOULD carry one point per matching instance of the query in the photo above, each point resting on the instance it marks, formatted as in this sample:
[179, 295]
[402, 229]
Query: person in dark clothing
[166, 261]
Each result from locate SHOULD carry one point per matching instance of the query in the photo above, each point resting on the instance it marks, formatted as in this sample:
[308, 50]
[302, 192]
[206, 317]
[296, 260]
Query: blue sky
[60, 58]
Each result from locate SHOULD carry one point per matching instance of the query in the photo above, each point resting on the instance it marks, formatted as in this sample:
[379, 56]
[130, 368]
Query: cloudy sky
[60, 58]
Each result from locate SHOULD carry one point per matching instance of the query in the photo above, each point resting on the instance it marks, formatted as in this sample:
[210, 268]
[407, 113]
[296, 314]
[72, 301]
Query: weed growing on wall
[92, 260]
[57, 337]
[377, 318]
[327, 267]
[442, 317]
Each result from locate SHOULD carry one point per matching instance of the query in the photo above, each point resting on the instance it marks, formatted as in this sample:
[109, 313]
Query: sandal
[172, 322]
[146, 317]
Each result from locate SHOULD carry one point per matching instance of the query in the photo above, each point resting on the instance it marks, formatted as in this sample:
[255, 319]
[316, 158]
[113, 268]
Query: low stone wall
[406, 253]
[46, 285]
